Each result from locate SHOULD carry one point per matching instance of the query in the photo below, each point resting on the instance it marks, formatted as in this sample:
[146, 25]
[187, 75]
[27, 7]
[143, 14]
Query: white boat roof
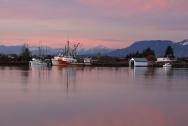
[139, 59]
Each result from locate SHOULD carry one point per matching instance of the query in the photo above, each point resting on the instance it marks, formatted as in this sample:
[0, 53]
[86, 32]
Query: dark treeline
[169, 52]
[147, 53]
[108, 61]
[16, 59]
[150, 54]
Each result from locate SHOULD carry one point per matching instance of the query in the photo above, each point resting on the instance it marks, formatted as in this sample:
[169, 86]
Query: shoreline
[125, 64]
[14, 63]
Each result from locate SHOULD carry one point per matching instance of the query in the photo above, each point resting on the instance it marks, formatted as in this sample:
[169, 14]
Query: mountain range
[10, 49]
[159, 47]
[102, 50]
[98, 50]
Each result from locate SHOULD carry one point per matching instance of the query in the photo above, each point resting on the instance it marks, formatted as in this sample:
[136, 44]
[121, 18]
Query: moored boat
[167, 65]
[87, 61]
[66, 61]
[68, 57]
[40, 62]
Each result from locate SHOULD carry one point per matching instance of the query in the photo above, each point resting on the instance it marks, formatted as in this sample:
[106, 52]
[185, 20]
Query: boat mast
[74, 52]
[68, 48]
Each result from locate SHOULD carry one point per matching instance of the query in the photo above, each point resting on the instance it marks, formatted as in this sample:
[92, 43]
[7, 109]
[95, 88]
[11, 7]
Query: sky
[110, 23]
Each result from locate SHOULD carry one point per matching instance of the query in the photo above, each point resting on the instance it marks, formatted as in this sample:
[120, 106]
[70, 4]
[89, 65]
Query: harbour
[93, 63]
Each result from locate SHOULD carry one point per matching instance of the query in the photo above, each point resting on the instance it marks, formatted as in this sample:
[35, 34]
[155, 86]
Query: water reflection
[63, 78]
[151, 72]
[69, 75]
[154, 77]
[71, 96]
[25, 76]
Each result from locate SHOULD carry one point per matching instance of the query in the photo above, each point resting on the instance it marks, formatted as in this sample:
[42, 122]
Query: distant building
[138, 62]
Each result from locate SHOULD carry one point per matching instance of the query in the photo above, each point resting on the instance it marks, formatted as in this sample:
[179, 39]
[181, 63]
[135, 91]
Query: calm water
[93, 97]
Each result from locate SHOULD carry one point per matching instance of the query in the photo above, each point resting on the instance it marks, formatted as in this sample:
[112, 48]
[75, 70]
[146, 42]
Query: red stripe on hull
[64, 63]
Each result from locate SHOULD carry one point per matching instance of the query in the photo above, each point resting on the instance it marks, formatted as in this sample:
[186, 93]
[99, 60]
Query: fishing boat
[66, 61]
[167, 65]
[39, 62]
[68, 57]
[87, 61]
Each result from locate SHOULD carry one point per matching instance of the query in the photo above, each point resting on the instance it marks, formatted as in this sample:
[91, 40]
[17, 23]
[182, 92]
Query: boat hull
[64, 63]
[33, 63]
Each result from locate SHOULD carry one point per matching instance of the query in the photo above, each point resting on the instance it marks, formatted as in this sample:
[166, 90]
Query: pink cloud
[134, 7]
[89, 20]
[127, 7]
[59, 9]
[178, 27]
[58, 42]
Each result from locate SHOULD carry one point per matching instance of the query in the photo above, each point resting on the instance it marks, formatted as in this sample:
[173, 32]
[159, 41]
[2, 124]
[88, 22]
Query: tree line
[150, 54]
[24, 56]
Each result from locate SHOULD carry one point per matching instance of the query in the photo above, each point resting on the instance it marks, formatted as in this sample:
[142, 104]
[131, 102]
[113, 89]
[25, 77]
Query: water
[60, 96]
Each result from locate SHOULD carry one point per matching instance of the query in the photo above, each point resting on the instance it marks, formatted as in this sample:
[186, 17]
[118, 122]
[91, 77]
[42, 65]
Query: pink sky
[115, 23]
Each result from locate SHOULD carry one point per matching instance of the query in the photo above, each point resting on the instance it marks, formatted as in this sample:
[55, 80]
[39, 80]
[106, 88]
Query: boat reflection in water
[69, 76]
[60, 78]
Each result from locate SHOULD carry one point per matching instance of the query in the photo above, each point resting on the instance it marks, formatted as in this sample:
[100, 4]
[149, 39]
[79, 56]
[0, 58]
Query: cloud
[131, 8]
[76, 8]
[93, 20]
[37, 9]
[126, 7]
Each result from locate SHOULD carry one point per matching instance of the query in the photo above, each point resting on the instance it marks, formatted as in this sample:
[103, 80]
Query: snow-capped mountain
[102, 50]
[184, 42]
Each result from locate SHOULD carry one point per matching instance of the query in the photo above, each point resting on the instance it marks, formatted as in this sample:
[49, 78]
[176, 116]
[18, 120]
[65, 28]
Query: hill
[159, 47]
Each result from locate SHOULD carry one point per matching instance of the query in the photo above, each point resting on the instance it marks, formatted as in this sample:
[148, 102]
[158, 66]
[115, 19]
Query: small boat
[87, 61]
[167, 65]
[39, 62]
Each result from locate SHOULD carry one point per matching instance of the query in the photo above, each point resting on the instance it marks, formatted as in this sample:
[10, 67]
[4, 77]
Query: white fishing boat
[39, 62]
[87, 61]
[167, 65]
